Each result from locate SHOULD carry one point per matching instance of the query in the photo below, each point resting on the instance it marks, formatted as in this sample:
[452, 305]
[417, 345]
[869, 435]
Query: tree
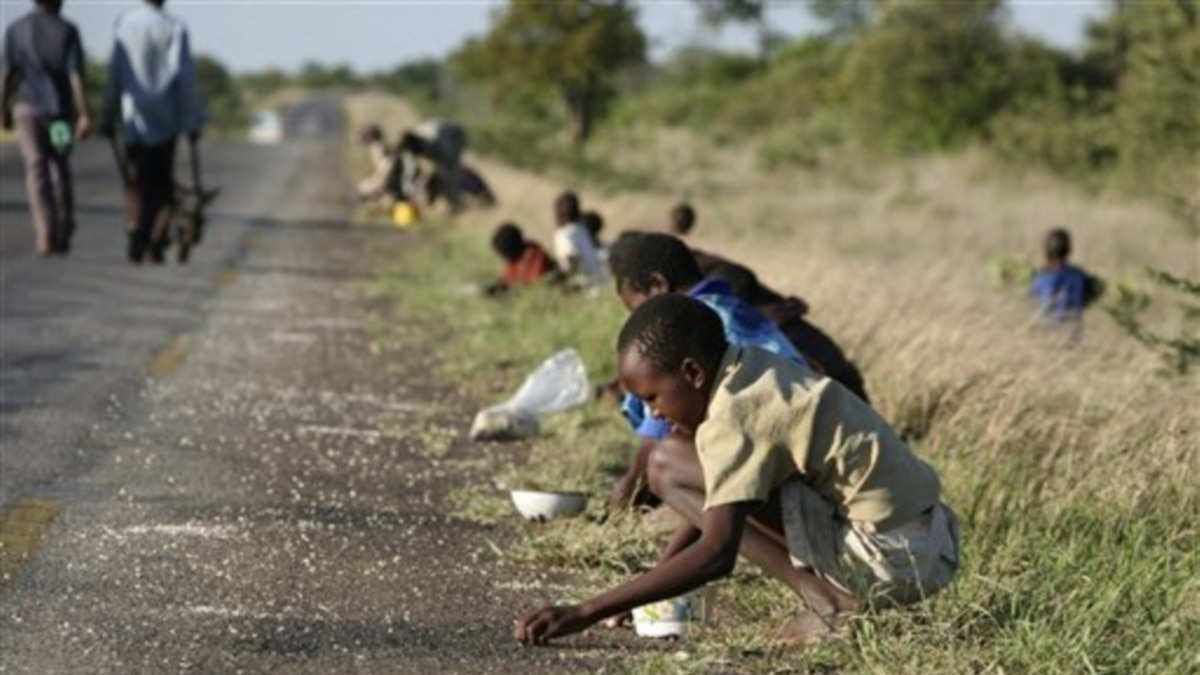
[222, 95]
[928, 75]
[574, 47]
[1158, 126]
[845, 18]
[264, 82]
[717, 13]
[721, 12]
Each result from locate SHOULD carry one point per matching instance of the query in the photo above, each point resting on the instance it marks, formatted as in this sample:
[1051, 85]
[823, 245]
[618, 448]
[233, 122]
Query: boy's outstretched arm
[711, 557]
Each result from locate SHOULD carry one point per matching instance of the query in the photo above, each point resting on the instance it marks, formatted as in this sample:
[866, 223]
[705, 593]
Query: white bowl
[672, 618]
[546, 505]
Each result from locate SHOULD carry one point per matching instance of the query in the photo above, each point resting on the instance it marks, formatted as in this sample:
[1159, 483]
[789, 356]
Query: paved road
[215, 468]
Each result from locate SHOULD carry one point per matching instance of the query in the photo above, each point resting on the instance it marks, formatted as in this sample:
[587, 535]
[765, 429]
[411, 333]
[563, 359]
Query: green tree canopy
[573, 47]
[928, 75]
[721, 12]
[843, 17]
[1159, 97]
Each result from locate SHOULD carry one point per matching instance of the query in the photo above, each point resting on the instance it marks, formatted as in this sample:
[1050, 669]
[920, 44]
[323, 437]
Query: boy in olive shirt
[787, 468]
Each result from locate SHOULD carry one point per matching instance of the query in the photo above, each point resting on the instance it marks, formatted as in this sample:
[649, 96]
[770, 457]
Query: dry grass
[1075, 468]
[895, 266]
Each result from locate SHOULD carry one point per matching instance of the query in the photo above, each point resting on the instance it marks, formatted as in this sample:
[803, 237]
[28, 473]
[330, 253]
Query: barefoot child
[787, 468]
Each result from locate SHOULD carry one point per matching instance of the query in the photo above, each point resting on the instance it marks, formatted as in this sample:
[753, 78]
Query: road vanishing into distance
[215, 467]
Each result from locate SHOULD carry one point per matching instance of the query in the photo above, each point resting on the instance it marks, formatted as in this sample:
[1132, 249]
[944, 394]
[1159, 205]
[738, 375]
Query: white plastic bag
[559, 383]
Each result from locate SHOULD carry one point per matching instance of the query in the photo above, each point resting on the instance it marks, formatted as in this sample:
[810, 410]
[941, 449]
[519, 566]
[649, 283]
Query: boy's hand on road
[540, 626]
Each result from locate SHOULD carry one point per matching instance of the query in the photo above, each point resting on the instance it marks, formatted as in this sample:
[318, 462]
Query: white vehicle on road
[267, 127]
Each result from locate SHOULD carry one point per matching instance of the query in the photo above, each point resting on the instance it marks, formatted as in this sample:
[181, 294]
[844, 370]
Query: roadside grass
[1055, 578]
[1074, 468]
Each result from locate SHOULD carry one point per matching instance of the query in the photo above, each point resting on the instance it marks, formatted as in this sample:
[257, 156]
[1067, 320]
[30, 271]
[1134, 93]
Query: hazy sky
[374, 34]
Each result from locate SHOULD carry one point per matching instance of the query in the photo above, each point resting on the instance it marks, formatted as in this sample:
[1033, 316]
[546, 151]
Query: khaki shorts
[901, 565]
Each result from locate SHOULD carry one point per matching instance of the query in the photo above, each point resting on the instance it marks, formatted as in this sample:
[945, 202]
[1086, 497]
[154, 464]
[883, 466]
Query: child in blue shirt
[649, 264]
[1062, 289]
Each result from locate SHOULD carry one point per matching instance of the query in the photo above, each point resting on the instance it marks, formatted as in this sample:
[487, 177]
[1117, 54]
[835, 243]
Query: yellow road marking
[226, 278]
[21, 530]
[169, 358]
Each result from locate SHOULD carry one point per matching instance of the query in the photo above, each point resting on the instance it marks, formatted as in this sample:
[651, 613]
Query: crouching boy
[787, 468]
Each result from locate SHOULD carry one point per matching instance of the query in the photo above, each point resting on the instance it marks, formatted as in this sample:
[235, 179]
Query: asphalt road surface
[214, 467]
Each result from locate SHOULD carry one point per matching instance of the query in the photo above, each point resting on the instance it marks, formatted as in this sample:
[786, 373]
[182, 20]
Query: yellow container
[404, 214]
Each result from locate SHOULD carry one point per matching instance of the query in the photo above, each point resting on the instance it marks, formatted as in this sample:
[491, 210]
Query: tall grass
[1074, 467]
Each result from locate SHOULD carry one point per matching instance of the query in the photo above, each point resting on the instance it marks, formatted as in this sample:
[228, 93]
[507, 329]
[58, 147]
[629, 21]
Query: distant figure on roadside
[375, 183]
[574, 251]
[443, 143]
[1062, 289]
[153, 94]
[473, 189]
[525, 261]
[594, 223]
[683, 219]
[390, 179]
[44, 99]
[780, 465]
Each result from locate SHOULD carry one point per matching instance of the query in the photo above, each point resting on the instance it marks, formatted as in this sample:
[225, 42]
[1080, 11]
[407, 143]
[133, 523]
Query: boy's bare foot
[810, 628]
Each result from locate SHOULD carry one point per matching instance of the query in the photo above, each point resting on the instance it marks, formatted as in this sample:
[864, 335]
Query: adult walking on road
[441, 142]
[152, 86]
[44, 99]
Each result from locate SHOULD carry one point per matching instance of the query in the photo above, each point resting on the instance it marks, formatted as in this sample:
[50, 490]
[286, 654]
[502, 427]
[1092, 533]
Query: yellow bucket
[404, 214]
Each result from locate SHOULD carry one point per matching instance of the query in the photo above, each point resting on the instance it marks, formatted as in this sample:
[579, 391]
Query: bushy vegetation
[908, 77]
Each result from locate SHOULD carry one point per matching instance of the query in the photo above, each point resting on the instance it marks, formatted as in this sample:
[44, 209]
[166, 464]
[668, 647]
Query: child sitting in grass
[593, 222]
[525, 261]
[786, 467]
[573, 248]
[682, 219]
[1062, 289]
[651, 263]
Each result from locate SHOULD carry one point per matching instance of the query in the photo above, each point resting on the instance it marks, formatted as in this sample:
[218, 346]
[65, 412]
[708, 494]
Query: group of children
[579, 256]
[397, 174]
[756, 429]
[753, 427]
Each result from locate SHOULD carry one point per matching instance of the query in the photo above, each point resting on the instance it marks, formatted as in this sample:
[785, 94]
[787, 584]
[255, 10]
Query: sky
[378, 34]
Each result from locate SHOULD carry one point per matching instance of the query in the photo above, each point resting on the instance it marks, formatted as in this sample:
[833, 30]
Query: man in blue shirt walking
[152, 86]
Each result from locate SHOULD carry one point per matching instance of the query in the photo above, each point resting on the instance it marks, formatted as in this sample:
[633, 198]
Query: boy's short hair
[594, 222]
[508, 241]
[683, 218]
[566, 207]
[1058, 244]
[634, 258]
[671, 327]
